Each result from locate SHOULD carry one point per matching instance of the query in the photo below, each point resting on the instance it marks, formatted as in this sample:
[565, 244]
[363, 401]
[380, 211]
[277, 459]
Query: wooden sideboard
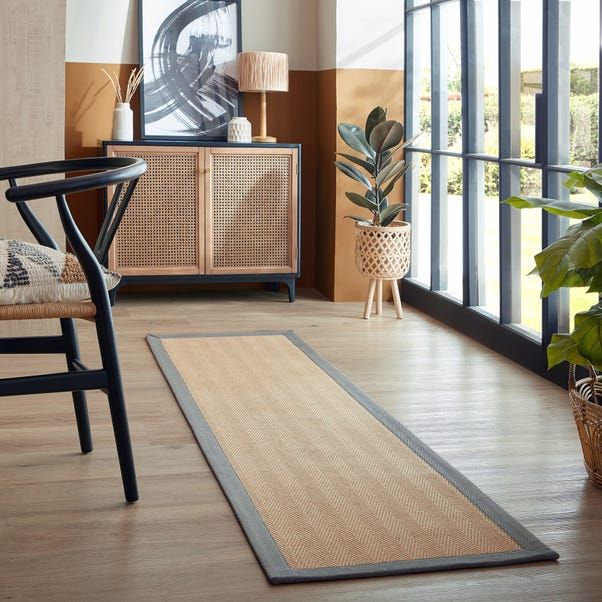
[211, 212]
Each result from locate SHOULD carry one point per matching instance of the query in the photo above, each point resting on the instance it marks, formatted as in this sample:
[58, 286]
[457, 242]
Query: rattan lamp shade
[263, 72]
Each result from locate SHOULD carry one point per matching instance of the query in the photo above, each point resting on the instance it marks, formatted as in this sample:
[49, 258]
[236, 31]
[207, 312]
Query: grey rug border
[262, 543]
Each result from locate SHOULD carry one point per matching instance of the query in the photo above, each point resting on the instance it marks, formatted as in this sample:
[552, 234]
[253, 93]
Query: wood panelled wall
[32, 106]
[32, 57]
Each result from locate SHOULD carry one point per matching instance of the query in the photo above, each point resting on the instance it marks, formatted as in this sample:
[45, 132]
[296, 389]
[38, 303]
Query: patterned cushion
[32, 273]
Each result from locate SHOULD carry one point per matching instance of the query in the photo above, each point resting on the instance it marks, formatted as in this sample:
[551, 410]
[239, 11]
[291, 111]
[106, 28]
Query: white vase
[123, 122]
[239, 130]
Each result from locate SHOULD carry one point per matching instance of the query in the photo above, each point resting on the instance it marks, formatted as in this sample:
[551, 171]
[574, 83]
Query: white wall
[288, 26]
[102, 31]
[369, 34]
[105, 31]
[316, 34]
[327, 34]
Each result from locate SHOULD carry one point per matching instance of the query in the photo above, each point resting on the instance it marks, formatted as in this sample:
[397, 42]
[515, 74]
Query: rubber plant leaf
[385, 159]
[588, 335]
[361, 201]
[556, 207]
[353, 173]
[356, 139]
[368, 164]
[390, 213]
[390, 172]
[377, 116]
[389, 188]
[355, 218]
[563, 348]
[386, 135]
[405, 144]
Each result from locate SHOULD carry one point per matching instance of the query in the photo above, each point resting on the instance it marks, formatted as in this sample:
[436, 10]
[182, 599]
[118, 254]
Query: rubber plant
[574, 260]
[376, 169]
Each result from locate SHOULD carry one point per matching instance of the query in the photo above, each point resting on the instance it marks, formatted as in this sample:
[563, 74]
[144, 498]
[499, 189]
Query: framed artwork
[189, 49]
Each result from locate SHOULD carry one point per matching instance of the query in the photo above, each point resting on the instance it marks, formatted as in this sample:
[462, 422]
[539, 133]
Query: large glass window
[584, 81]
[506, 94]
[453, 234]
[420, 176]
[530, 243]
[488, 240]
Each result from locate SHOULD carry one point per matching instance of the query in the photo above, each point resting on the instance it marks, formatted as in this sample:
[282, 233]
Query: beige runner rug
[325, 484]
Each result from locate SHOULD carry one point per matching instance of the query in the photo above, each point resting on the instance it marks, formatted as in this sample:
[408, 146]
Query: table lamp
[263, 72]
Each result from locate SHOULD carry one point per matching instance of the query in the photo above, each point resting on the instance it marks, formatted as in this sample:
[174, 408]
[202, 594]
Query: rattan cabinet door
[251, 210]
[162, 231]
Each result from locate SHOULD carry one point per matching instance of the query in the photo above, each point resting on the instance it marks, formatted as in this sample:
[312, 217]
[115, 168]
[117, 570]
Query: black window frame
[499, 333]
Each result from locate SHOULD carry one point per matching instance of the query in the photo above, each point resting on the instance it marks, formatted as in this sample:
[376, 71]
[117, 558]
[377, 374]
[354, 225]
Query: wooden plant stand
[382, 253]
[376, 284]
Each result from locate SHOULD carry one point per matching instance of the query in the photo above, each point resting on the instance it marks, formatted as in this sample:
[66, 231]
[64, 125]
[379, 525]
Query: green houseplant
[382, 242]
[575, 260]
[377, 169]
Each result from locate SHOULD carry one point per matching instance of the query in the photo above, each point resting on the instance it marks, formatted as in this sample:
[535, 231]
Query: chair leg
[110, 361]
[80, 404]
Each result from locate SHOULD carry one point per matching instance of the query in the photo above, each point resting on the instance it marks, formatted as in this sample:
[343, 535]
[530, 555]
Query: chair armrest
[115, 171]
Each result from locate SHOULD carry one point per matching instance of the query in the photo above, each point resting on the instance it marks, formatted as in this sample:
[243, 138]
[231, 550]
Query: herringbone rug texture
[333, 485]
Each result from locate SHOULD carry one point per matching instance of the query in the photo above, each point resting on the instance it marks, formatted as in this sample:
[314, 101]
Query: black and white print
[189, 52]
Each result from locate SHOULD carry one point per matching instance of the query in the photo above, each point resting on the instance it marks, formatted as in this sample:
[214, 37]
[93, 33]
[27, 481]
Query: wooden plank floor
[66, 535]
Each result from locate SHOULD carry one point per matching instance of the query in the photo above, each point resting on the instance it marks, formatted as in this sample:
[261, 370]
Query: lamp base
[264, 139]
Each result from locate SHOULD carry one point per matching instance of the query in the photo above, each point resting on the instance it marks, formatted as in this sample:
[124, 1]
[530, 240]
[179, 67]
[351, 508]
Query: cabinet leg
[292, 287]
[396, 298]
[369, 298]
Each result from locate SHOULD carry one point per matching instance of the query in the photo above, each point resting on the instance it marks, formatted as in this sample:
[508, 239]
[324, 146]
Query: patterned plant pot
[382, 253]
[588, 417]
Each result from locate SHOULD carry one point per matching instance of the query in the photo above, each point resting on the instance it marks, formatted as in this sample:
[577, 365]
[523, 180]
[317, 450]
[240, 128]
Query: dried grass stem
[134, 81]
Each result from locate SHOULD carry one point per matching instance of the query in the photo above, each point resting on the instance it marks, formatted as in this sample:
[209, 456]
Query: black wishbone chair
[123, 173]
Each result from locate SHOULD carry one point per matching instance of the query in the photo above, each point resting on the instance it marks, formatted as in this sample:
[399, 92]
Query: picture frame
[188, 49]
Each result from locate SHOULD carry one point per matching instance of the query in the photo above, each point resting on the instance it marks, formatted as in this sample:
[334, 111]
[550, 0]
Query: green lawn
[530, 245]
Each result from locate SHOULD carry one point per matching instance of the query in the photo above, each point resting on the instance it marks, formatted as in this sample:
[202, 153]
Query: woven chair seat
[44, 311]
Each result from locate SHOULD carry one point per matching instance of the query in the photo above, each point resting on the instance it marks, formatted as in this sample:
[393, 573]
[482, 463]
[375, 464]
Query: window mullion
[412, 120]
[439, 141]
[473, 127]
[556, 142]
[510, 220]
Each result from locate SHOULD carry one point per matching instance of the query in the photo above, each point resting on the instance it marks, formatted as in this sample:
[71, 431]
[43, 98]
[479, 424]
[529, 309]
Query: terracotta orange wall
[293, 117]
[89, 103]
[358, 91]
[325, 215]
[307, 114]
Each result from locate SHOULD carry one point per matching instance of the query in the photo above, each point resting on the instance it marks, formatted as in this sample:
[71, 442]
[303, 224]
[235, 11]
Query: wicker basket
[382, 252]
[588, 416]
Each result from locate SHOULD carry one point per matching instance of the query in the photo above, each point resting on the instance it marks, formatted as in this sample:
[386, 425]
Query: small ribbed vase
[123, 122]
[239, 130]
